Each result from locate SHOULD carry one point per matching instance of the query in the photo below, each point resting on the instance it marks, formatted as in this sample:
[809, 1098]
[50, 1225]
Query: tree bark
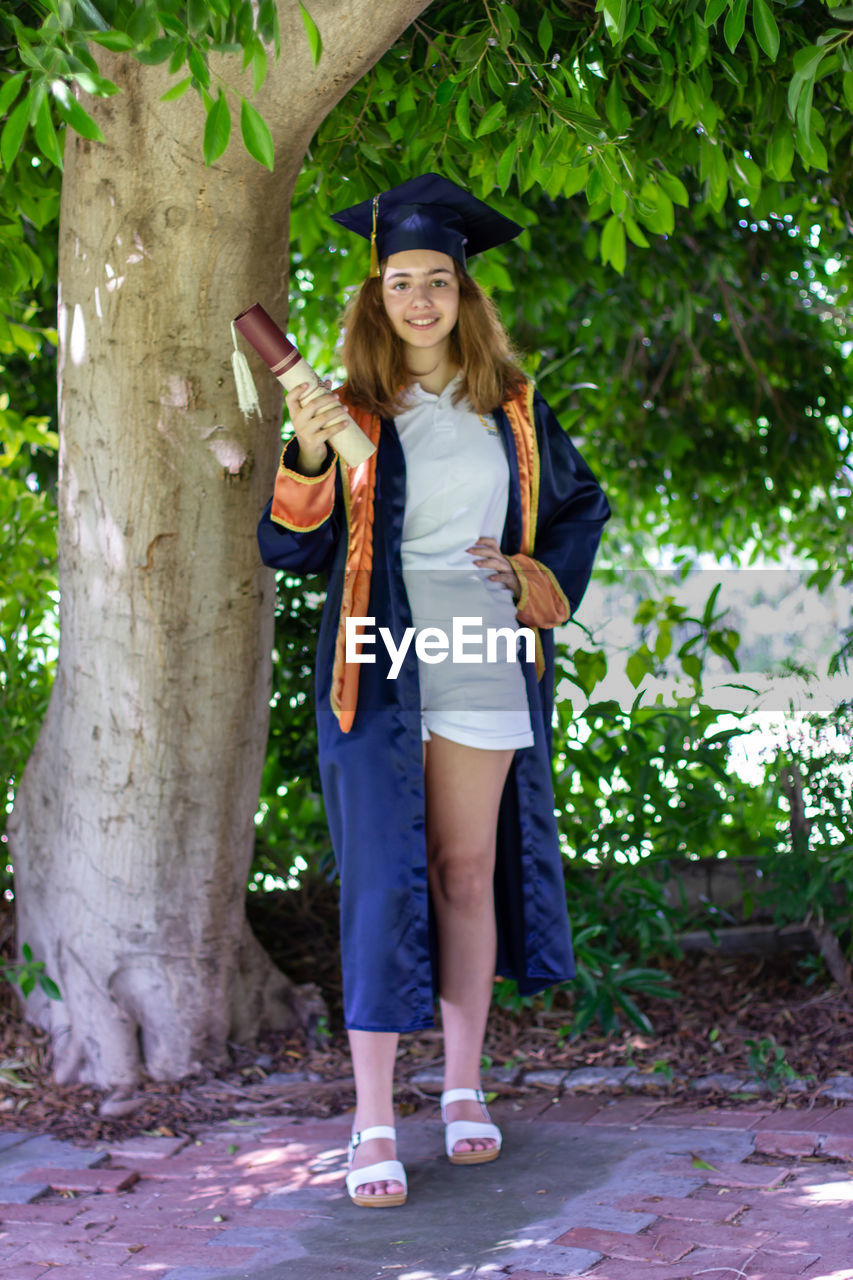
[133, 827]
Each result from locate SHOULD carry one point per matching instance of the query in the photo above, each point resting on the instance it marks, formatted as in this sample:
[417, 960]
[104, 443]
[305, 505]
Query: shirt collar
[417, 395]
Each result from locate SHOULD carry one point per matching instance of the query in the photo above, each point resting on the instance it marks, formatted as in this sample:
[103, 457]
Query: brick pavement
[588, 1186]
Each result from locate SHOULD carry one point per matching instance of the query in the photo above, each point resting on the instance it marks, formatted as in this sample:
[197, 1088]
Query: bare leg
[463, 791]
[373, 1054]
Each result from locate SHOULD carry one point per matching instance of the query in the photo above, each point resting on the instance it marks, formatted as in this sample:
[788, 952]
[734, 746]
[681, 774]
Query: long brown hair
[375, 357]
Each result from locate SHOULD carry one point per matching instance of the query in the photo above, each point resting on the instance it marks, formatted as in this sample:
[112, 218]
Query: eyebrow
[435, 271]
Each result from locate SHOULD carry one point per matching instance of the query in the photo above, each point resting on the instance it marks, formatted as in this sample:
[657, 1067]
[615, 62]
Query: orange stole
[359, 485]
[519, 411]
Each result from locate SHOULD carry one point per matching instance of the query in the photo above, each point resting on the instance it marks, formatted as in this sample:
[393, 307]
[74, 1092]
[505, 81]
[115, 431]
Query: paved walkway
[610, 1189]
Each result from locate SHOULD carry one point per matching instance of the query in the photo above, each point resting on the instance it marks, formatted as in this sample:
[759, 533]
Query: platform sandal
[460, 1130]
[382, 1171]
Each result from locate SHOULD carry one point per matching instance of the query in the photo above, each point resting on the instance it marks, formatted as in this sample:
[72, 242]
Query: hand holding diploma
[316, 421]
[309, 403]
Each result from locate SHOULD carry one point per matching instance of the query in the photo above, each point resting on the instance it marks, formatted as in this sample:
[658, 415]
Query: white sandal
[459, 1130]
[382, 1171]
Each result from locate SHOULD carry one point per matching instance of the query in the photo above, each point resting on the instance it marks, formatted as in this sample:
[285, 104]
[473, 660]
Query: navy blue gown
[372, 775]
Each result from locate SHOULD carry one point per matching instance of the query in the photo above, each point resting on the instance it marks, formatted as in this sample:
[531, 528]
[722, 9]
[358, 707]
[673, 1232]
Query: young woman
[476, 511]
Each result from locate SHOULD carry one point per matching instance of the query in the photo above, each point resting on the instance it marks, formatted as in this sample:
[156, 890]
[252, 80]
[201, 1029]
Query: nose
[420, 295]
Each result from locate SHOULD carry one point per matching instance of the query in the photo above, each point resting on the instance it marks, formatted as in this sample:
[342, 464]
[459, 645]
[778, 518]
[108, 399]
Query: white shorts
[487, 730]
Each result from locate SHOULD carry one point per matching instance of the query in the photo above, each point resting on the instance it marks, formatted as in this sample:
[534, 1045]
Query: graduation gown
[370, 749]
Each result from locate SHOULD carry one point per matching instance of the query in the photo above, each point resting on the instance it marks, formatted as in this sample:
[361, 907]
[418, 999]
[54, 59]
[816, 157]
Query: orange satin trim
[542, 603]
[537, 600]
[302, 503]
[359, 485]
[519, 411]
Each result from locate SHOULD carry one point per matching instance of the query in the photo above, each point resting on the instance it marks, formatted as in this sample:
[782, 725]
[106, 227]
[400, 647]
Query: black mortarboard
[428, 212]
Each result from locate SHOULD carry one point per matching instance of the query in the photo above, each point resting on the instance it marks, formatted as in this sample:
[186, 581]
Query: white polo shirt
[457, 488]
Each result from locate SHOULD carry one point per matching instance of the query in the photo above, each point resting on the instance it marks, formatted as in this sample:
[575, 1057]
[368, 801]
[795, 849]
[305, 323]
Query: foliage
[809, 870]
[28, 974]
[767, 1062]
[685, 152]
[28, 595]
[692, 167]
[291, 819]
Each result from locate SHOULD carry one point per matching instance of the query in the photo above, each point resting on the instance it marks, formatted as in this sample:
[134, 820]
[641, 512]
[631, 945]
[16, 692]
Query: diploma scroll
[285, 362]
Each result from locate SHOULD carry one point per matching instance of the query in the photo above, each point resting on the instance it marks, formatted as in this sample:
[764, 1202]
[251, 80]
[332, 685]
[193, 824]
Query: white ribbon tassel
[247, 392]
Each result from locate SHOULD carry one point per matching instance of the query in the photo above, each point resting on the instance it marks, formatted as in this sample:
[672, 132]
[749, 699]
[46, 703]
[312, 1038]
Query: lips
[424, 322]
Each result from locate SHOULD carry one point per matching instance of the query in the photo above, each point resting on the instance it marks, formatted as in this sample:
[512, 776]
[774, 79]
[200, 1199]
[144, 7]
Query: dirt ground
[723, 1004]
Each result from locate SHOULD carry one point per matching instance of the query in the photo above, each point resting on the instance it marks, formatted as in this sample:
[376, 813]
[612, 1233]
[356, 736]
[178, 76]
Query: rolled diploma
[285, 362]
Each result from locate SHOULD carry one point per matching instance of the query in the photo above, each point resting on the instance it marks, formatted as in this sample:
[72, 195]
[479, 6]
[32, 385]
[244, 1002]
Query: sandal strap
[462, 1095]
[375, 1131]
[460, 1130]
[383, 1171]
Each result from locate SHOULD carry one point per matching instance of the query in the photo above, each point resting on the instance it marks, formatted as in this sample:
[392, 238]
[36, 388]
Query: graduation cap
[427, 212]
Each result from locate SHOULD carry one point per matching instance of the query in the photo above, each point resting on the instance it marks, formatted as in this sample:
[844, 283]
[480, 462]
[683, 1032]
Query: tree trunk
[133, 826]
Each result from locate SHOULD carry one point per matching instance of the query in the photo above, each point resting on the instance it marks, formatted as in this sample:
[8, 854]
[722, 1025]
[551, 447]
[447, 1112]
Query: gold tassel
[374, 254]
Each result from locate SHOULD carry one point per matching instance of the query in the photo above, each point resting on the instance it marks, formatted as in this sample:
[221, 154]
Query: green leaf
[636, 669]
[144, 25]
[847, 88]
[217, 129]
[674, 188]
[256, 135]
[615, 13]
[699, 44]
[808, 59]
[158, 51]
[766, 28]
[259, 67]
[692, 666]
[49, 987]
[10, 91]
[503, 171]
[749, 174]
[614, 106]
[13, 132]
[713, 9]
[198, 66]
[575, 180]
[734, 24]
[595, 187]
[315, 40]
[812, 150]
[115, 41]
[177, 90]
[178, 58]
[462, 115]
[634, 233]
[46, 134]
[92, 15]
[655, 208]
[804, 112]
[73, 114]
[198, 16]
[545, 32]
[780, 153]
[491, 120]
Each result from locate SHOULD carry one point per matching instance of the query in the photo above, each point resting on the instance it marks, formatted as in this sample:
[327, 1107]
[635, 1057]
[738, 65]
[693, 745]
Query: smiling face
[420, 290]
